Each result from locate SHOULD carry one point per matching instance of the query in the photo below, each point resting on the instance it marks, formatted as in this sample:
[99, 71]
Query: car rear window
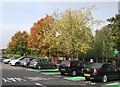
[95, 65]
[34, 60]
[64, 63]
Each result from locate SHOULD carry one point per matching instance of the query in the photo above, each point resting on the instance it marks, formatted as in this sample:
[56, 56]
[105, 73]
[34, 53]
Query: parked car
[16, 62]
[6, 61]
[101, 72]
[73, 67]
[40, 64]
[26, 61]
[2, 58]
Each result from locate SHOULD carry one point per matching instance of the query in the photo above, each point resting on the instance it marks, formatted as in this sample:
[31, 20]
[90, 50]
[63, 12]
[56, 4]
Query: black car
[73, 67]
[101, 72]
[41, 64]
[26, 61]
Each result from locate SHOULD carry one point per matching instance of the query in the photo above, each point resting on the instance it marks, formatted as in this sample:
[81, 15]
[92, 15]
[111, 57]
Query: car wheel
[17, 64]
[104, 78]
[27, 65]
[73, 73]
[39, 67]
[62, 73]
[87, 78]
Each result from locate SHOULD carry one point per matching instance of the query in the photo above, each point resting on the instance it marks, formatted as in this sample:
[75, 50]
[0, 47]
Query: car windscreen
[13, 58]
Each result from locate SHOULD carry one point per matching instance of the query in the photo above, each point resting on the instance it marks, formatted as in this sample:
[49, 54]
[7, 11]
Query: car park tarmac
[14, 75]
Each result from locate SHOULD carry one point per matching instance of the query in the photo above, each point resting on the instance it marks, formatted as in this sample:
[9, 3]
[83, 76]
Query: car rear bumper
[92, 76]
[65, 70]
[32, 66]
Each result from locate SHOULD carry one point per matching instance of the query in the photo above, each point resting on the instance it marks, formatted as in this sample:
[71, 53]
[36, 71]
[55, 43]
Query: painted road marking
[92, 83]
[13, 79]
[16, 79]
[36, 78]
[42, 70]
[113, 83]
[40, 84]
[5, 80]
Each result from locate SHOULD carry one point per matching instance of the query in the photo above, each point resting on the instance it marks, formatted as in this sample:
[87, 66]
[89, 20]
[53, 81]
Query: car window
[83, 65]
[111, 67]
[96, 65]
[64, 63]
[75, 63]
[31, 59]
[80, 64]
[34, 60]
[104, 67]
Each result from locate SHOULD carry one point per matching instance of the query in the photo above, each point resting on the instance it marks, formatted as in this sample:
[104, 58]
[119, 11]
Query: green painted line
[116, 84]
[113, 83]
[75, 78]
[42, 70]
[51, 73]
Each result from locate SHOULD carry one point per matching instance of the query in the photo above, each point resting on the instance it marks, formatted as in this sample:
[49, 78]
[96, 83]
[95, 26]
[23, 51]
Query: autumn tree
[18, 43]
[37, 34]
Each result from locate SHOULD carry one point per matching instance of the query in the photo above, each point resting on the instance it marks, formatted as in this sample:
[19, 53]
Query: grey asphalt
[13, 76]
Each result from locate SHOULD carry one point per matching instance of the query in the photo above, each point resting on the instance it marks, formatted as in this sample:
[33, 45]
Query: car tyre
[73, 73]
[104, 78]
[39, 67]
[17, 64]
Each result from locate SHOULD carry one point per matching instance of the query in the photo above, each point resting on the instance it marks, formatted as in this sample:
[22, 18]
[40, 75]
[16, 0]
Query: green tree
[102, 44]
[71, 33]
[115, 31]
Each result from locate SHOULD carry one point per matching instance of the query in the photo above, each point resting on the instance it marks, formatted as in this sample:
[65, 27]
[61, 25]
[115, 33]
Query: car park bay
[14, 75]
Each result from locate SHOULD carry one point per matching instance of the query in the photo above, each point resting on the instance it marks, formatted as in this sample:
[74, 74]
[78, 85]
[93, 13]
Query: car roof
[72, 60]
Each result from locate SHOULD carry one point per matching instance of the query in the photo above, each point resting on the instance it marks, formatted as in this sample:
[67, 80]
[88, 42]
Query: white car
[6, 61]
[16, 62]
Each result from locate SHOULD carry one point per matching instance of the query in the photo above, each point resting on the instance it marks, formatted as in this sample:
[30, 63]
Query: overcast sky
[21, 15]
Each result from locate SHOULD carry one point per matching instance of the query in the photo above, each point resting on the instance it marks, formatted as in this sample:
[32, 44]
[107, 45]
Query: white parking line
[40, 84]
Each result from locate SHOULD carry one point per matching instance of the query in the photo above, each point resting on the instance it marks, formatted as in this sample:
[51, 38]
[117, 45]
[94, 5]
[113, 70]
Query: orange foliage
[38, 32]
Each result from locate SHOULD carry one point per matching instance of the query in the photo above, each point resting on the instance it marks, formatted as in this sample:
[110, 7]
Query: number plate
[86, 74]
[63, 69]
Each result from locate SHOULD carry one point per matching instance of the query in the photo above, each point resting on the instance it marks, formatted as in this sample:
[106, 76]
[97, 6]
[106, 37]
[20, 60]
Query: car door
[79, 67]
[48, 64]
[112, 71]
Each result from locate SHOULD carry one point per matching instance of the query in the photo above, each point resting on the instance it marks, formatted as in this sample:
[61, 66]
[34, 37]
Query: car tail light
[69, 63]
[82, 70]
[95, 72]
